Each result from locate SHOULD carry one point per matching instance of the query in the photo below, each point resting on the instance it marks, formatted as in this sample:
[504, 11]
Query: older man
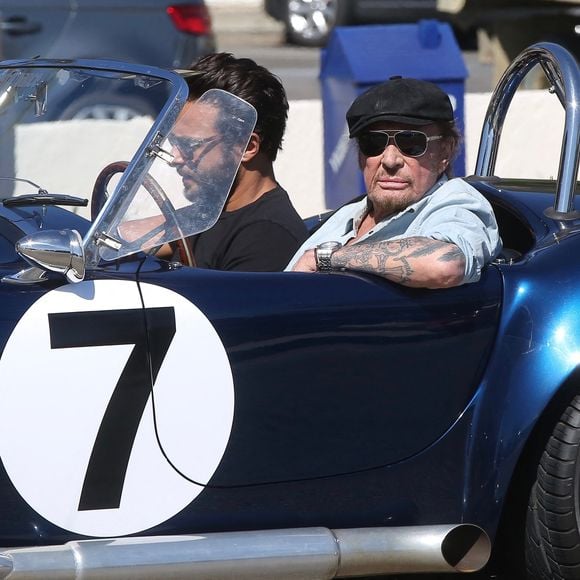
[415, 226]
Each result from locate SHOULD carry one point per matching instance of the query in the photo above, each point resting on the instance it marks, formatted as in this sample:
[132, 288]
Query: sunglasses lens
[180, 144]
[411, 143]
[372, 144]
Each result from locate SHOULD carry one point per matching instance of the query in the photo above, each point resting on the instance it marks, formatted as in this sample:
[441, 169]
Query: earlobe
[445, 158]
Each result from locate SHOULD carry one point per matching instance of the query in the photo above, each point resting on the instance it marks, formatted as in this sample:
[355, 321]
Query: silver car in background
[310, 22]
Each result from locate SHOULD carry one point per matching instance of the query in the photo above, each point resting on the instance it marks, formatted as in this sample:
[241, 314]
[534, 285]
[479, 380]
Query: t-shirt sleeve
[262, 246]
[470, 224]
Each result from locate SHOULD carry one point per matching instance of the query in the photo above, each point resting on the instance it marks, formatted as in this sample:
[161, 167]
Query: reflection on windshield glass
[189, 179]
[60, 126]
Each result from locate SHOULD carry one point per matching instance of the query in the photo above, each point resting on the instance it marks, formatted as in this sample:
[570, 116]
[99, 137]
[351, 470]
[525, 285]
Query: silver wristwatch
[323, 253]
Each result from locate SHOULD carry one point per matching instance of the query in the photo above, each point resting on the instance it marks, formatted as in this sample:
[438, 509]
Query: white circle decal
[85, 439]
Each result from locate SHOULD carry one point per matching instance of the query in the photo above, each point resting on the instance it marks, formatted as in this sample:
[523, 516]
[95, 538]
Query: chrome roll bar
[563, 74]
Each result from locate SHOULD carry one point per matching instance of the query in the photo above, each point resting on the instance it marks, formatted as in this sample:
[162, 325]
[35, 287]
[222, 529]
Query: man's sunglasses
[189, 146]
[410, 143]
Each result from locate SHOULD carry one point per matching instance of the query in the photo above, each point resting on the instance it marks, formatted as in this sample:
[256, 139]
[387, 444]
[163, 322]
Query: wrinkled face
[197, 147]
[394, 180]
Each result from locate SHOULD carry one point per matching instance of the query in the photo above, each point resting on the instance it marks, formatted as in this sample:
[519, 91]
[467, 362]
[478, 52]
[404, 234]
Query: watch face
[329, 246]
[323, 254]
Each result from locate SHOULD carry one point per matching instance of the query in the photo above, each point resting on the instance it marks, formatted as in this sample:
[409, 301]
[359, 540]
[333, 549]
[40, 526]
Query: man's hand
[306, 263]
[134, 229]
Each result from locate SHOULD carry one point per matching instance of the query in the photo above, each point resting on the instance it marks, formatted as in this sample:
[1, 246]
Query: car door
[193, 379]
[30, 28]
[332, 373]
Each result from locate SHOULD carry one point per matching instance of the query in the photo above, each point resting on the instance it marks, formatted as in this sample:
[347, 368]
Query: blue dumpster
[358, 57]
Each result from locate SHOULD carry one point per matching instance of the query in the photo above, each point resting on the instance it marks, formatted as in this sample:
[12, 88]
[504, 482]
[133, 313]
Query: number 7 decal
[150, 330]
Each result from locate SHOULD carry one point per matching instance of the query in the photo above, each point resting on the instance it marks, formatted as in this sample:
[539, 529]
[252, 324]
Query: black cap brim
[362, 124]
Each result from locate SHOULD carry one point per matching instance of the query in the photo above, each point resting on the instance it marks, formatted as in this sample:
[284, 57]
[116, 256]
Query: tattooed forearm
[419, 262]
[406, 270]
[426, 250]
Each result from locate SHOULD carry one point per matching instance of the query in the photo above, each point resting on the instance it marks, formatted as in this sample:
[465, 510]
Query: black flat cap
[403, 100]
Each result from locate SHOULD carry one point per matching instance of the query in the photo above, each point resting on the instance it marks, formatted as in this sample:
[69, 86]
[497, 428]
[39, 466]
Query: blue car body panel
[346, 382]
[335, 362]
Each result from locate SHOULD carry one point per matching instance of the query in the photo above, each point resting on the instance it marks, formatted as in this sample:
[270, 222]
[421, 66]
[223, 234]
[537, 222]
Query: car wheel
[553, 521]
[112, 107]
[309, 23]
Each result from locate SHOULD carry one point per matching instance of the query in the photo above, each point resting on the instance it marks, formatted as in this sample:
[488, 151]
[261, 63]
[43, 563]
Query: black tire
[553, 520]
[537, 567]
[300, 27]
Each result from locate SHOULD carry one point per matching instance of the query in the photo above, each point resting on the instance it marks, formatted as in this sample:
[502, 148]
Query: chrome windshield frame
[142, 158]
[142, 213]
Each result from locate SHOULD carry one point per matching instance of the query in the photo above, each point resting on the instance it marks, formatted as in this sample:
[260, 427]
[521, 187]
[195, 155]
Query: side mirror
[55, 250]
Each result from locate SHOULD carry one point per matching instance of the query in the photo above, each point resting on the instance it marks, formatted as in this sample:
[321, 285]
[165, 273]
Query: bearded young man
[259, 229]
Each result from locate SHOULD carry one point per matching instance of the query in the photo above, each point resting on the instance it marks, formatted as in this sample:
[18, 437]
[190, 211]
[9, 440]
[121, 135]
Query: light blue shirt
[451, 211]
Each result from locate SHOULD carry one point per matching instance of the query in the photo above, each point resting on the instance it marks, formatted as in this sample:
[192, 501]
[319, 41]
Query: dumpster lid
[369, 54]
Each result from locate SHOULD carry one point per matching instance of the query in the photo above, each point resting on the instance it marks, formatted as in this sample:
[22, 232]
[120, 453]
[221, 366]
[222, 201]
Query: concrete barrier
[530, 147]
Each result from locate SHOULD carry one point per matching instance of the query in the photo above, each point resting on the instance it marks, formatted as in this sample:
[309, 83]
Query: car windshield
[184, 178]
[60, 125]
[153, 167]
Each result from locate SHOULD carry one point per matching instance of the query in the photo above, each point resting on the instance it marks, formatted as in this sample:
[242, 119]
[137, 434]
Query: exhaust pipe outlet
[292, 554]
[421, 549]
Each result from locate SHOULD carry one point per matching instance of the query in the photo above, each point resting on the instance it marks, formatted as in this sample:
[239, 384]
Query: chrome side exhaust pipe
[292, 554]
[412, 550]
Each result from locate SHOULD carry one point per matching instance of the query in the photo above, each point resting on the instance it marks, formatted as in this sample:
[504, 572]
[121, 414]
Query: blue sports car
[177, 422]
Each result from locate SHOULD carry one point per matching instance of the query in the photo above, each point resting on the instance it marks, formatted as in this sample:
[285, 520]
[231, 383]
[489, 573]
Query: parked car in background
[153, 32]
[310, 22]
[511, 25]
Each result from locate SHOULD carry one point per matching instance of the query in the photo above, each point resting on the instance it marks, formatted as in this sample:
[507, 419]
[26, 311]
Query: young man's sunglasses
[410, 143]
[189, 146]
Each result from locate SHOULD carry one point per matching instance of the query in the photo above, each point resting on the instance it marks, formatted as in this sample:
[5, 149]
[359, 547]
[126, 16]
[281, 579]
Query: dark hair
[253, 83]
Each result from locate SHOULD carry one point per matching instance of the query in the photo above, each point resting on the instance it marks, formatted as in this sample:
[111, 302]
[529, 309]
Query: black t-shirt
[259, 237]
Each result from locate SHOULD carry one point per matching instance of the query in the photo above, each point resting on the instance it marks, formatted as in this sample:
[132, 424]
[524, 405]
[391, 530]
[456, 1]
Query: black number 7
[109, 459]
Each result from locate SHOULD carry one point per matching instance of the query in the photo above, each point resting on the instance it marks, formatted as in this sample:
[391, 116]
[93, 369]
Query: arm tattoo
[409, 261]
[453, 254]
[406, 270]
[426, 250]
